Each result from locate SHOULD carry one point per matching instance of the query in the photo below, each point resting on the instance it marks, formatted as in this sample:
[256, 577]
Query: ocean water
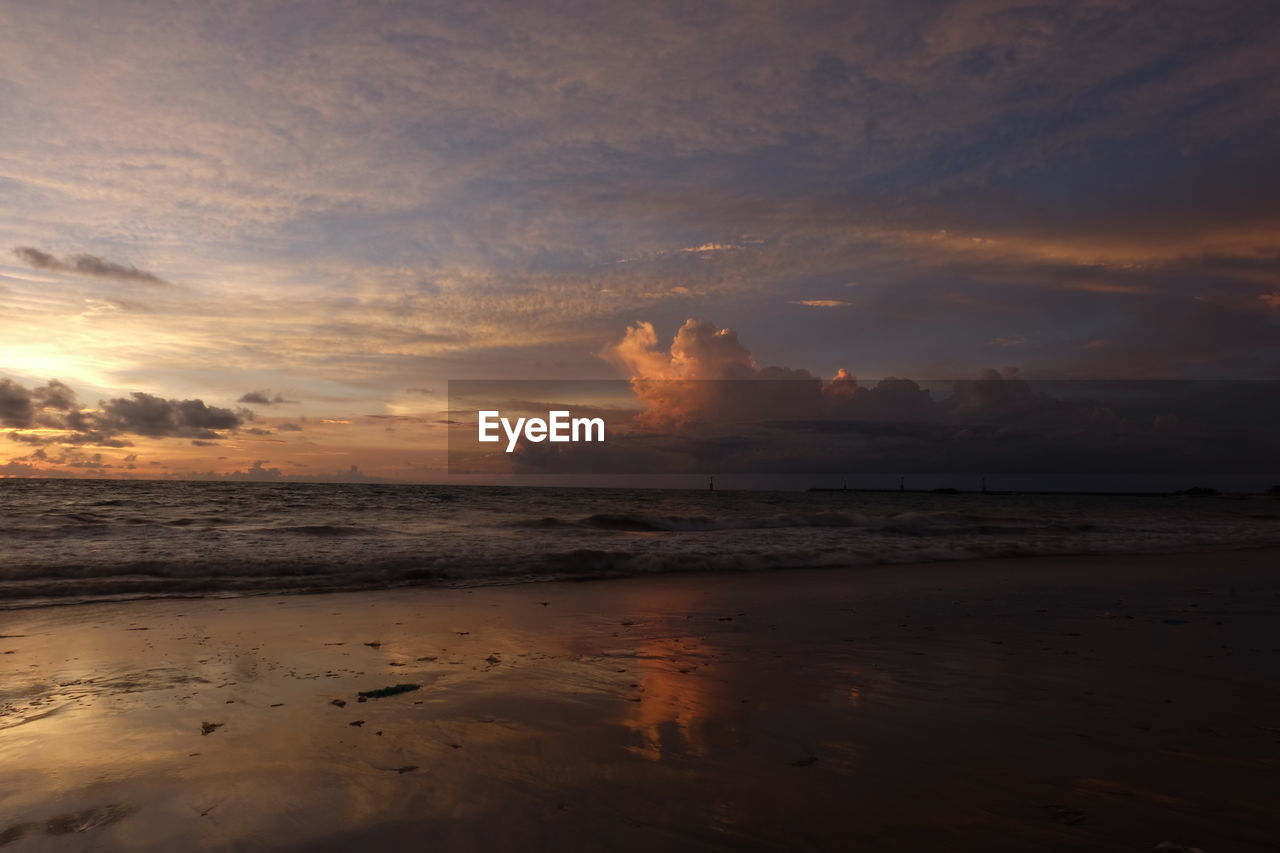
[71, 541]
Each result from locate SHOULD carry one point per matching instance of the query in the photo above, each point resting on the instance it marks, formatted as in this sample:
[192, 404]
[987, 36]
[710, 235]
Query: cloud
[16, 468]
[712, 247]
[699, 350]
[265, 398]
[89, 265]
[54, 406]
[821, 303]
[679, 383]
[16, 408]
[66, 458]
[259, 472]
[23, 407]
[94, 438]
[149, 415]
[701, 412]
[704, 376]
[956, 151]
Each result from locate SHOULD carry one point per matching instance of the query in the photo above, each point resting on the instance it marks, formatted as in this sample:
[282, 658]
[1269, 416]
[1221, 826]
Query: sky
[257, 239]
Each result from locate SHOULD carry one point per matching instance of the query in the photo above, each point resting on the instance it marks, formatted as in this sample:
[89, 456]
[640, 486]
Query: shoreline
[1071, 703]
[16, 605]
[697, 488]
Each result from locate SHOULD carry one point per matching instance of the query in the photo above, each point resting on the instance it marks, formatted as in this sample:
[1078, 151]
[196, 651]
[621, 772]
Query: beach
[1064, 703]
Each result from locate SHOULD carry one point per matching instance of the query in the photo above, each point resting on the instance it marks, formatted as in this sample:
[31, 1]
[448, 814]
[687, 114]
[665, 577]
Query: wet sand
[1100, 703]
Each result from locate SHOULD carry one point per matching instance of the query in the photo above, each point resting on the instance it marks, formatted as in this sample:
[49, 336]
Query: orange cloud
[681, 383]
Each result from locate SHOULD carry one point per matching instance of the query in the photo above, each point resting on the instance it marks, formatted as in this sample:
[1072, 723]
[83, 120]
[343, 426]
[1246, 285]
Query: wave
[63, 543]
[325, 530]
[639, 523]
[908, 523]
[163, 579]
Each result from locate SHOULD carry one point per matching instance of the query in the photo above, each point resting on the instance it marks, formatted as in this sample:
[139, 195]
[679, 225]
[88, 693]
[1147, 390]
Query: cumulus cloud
[699, 350]
[702, 376]
[680, 382]
[16, 408]
[54, 406]
[701, 412]
[23, 407]
[149, 415]
[90, 265]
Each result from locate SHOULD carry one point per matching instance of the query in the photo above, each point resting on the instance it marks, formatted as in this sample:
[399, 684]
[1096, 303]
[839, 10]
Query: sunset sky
[310, 216]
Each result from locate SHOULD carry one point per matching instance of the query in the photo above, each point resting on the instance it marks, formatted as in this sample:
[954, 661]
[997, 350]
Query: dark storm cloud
[89, 265]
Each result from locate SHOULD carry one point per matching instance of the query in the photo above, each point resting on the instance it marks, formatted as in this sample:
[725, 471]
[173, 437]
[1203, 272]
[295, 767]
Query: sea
[72, 541]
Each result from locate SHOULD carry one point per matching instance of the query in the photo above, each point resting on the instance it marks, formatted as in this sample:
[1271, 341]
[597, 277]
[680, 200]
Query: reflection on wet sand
[803, 711]
[674, 714]
[680, 703]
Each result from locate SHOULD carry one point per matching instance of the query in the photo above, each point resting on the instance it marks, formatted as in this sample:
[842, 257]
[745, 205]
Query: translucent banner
[891, 427]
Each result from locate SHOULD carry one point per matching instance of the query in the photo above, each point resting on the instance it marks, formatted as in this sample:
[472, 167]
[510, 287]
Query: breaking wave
[64, 542]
